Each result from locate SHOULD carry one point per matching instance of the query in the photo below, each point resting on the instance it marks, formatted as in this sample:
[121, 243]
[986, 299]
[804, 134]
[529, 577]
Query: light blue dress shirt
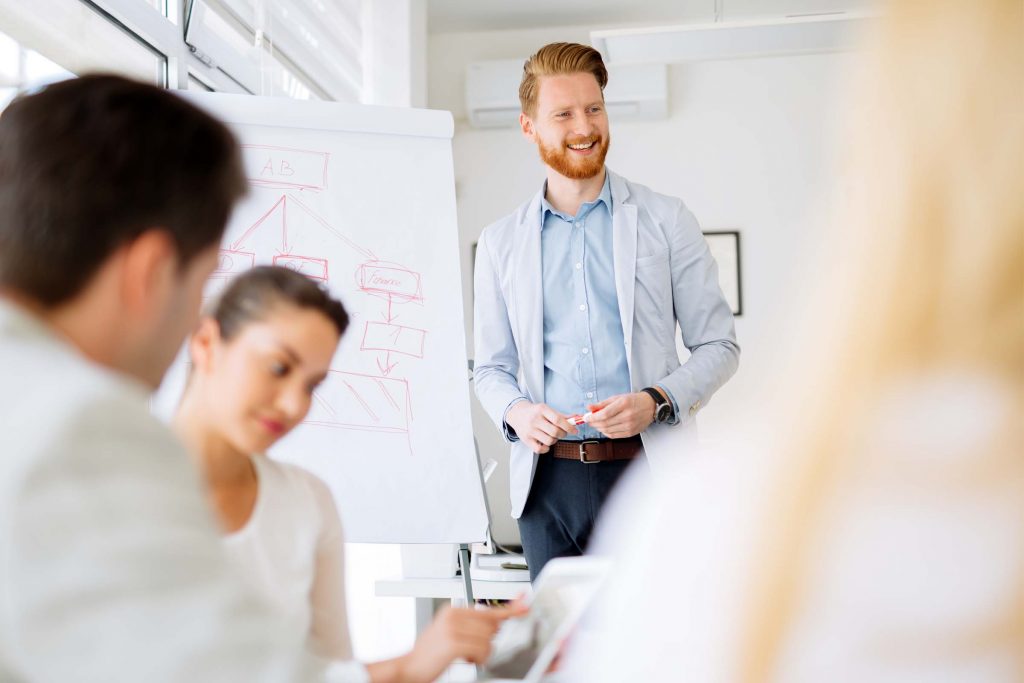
[584, 350]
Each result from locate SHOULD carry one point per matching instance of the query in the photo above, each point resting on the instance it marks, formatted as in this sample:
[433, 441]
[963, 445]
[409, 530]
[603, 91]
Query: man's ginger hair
[557, 59]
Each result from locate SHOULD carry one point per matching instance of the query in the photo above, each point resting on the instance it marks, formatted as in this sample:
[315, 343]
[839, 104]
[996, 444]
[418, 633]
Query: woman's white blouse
[291, 552]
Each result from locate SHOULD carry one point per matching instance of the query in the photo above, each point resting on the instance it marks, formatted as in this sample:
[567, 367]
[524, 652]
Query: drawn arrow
[388, 365]
[238, 243]
[388, 317]
[284, 228]
[312, 214]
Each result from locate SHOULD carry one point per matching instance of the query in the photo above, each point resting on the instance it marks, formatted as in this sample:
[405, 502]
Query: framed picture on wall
[725, 248]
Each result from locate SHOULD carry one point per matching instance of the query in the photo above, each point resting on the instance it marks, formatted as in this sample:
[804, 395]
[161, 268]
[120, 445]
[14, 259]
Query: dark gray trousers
[564, 502]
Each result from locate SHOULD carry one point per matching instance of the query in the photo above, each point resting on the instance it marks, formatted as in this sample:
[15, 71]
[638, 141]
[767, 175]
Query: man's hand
[622, 416]
[454, 634]
[538, 425]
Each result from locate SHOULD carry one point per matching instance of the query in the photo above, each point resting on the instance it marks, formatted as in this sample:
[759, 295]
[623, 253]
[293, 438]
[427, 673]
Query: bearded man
[577, 298]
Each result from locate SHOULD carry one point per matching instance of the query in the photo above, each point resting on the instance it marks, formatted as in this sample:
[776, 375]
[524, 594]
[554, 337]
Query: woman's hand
[456, 633]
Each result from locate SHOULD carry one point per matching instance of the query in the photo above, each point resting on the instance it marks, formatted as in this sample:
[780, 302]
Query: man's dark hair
[89, 164]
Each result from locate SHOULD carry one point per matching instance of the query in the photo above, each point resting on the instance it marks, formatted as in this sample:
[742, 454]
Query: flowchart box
[394, 338]
[309, 266]
[232, 262]
[396, 282]
[350, 400]
[283, 167]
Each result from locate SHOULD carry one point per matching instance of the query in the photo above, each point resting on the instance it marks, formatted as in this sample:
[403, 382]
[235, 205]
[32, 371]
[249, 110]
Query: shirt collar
[605, 196]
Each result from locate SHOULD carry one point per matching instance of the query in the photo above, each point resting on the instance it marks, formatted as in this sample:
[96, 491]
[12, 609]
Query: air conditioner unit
[634, 92]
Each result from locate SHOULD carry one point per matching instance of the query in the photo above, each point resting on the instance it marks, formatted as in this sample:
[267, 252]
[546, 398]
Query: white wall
[747, 147]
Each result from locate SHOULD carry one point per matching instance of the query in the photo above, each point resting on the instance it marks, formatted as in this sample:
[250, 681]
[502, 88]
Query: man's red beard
[561, 159]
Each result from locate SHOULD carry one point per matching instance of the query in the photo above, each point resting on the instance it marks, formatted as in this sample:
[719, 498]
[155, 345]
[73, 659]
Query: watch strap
[656, 395]
[659, 402]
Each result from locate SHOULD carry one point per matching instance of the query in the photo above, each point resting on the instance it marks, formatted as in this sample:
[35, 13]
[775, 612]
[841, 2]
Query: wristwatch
[663, 411]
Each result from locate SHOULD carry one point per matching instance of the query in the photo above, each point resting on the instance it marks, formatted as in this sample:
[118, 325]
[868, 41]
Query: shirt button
[576, 224]
[586, 350]
[590, 394]
[578, 266]
[583, 307]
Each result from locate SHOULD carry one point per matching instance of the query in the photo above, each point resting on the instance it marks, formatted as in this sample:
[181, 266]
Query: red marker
[580, 419]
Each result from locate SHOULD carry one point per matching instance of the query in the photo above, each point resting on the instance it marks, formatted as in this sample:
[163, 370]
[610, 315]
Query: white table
[427, 590]
[450, 589]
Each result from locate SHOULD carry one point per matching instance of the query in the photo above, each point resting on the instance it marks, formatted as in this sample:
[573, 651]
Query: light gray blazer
[112, 566]
[664, 275]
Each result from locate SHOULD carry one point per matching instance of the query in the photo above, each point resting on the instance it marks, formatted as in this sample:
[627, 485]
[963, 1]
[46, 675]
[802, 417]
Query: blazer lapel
[528, 283]
[624, 256]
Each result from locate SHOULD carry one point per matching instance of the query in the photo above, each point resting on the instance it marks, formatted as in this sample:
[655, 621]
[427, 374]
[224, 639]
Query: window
[58, 38]
[159, 5]
[306, 49]
[22, 68]
[303, 50]
[197, 84]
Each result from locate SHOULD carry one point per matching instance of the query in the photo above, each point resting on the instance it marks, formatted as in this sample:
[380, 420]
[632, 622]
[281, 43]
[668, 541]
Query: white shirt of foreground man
[917, 563]
[88, 565]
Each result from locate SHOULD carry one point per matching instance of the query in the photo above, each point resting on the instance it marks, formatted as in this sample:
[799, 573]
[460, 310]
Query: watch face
[664, 412]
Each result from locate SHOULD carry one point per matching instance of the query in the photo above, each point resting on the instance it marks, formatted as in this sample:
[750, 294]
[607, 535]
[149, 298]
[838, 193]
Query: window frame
[165, 34]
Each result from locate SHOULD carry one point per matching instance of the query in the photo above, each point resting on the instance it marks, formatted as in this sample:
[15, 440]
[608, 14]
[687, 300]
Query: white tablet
[525, 647]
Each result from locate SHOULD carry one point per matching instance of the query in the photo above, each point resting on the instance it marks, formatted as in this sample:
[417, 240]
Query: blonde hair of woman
[933, 285]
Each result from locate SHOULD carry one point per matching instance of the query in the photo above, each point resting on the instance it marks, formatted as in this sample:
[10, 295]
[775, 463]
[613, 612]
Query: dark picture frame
[725, 248]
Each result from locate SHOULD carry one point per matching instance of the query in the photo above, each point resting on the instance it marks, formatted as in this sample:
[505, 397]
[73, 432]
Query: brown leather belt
[601, 450]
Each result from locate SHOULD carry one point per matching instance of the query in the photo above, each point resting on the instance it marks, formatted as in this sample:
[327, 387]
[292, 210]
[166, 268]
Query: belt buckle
[583, 452]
